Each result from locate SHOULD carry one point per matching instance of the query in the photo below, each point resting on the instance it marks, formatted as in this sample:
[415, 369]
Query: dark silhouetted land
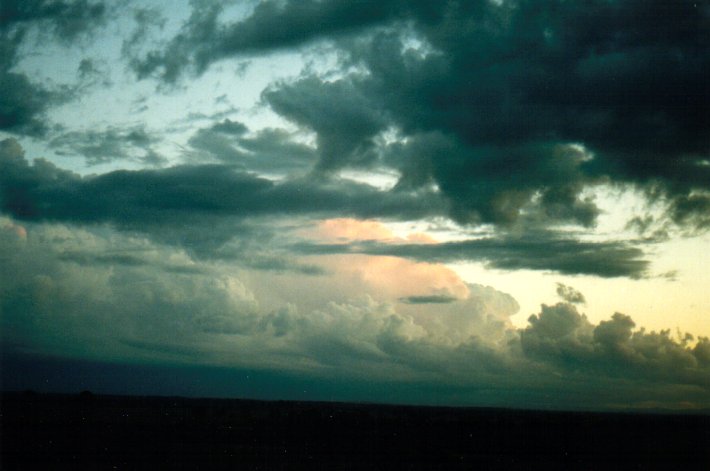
[87, 431]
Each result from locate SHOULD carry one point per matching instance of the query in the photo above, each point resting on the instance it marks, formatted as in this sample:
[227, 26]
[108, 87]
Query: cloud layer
[107, 296]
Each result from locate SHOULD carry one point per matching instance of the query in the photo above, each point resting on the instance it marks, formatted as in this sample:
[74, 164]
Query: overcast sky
[484, 202]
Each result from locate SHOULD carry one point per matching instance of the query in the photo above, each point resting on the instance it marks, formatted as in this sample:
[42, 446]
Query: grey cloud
[269, 150]
[106, 258]
[23, 103]
[51, 305]
[229, 127]
[92, 72]
[203, 195]
[508, 87]
[272, 25]
[138, 313]
[429, 299]
[151, 200]
[110, 145]
[569, 294]
[494, 105]
[344, 120]
[146, 21]
[66, 19]
[542, 251]
[561, 336]
[692, 209]
[498, 184]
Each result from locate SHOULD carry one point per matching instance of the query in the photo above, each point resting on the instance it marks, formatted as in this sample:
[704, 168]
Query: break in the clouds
[326, 190]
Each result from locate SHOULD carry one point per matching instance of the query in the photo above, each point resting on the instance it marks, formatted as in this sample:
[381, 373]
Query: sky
[482, 203]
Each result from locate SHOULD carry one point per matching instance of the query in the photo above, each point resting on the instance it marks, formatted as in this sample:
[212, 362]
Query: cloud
[65, 19]
[152, 200]
[110, 145]
[508, 107]
[569, 294]
[272, 151]
[107, 296]
[204, 195]
[272, 25]
[541, 251]
[52, 304]
[23, 103]
[561, 336]
[430, 299]
[343, 118]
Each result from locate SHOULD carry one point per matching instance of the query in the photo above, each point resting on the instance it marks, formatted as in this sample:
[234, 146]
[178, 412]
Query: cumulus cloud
[560, 335]
[102, 295]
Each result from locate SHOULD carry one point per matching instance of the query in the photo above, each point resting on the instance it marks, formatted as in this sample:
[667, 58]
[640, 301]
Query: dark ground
[86, 431]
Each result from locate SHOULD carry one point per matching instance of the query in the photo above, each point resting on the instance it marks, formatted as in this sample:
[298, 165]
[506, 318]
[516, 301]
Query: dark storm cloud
[174, 195]
[112, 144]
[508, 85]
[499, 91]
[23, 102]
[541, 251]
